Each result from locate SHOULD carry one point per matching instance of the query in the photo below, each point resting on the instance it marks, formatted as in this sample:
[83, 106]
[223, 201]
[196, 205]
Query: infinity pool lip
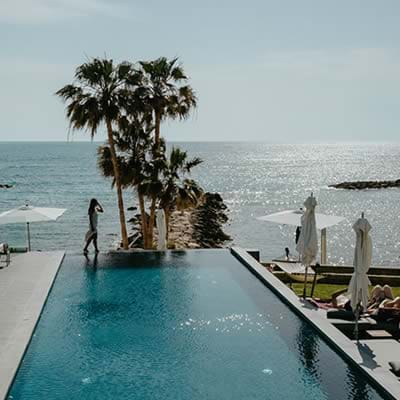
[27, 283]
[382, 378]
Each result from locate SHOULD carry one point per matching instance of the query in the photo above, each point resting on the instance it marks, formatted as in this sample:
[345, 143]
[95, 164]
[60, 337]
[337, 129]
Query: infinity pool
[184, 325]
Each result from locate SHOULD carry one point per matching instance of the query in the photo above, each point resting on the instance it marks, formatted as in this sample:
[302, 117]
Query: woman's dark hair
[92, 206]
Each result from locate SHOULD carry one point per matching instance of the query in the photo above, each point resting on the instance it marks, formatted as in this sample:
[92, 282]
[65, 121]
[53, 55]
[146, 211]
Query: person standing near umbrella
[91, 235]
[298, 230]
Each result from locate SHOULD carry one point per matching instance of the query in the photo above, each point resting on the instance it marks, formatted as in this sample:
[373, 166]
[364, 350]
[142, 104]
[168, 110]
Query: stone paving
[24, 286]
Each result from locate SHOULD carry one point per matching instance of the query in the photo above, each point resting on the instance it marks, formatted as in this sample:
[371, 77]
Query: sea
[254, 179]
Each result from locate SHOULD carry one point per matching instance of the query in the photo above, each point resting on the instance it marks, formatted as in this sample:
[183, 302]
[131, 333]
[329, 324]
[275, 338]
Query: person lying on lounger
[377, 297]
[389, 309]
[390, 304]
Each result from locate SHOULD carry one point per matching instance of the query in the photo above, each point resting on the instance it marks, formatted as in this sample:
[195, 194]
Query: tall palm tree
[177, 190]
[133, 144]
[98, 95]
[166, 91]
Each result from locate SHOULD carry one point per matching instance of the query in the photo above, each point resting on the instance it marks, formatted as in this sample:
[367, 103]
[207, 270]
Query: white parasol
[307, 245]
[358, 286]
[28, 214]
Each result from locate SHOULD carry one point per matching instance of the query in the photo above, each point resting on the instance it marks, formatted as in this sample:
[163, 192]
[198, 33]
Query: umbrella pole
[29, 236]
[305, 283]
[323, 246]
[357, 315]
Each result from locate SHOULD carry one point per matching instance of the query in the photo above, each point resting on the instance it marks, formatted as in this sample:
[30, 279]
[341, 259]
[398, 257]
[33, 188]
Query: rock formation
[359, 185]
[201, 227]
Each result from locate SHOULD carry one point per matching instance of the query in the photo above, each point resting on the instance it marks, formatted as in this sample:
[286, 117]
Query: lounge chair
[20, 249]
[348, 326]
[5, 258]
[296, 271]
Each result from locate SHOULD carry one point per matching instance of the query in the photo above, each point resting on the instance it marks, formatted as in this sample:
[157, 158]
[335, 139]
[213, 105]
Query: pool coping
[381, 377]
[26, 284]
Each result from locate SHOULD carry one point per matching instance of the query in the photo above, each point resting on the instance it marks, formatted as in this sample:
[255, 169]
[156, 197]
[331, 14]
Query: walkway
[24, 287]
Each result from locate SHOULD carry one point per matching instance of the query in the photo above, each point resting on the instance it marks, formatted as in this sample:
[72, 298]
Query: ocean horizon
[254, 178]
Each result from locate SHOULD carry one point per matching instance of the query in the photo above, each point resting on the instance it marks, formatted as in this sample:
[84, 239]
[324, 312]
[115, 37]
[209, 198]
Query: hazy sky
[278, 71]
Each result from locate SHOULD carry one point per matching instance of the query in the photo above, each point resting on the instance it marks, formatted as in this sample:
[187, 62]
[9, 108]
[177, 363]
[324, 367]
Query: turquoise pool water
[184, 325]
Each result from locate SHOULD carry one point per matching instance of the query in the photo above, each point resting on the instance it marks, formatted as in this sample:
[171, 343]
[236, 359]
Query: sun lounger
[5, 258]
[20, 249]
[364, 323]
[296, 271]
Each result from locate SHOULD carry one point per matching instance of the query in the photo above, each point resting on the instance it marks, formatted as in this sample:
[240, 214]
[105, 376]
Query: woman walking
[91, 235]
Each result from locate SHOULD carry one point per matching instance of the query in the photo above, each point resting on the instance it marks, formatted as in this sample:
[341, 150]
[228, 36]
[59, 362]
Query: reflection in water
[308, 348]
[358, 389]
[89, 262]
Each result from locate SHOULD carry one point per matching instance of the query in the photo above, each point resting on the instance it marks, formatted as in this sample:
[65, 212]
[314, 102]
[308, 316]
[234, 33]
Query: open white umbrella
[28, 214]
[162, 230]
[358, 286]
[293, 217]
[307, 246]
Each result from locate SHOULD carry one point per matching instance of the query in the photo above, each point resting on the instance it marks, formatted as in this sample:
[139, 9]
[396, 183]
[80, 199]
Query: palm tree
[133, 145]
[98, 95]
[163, 92]
[177, 190]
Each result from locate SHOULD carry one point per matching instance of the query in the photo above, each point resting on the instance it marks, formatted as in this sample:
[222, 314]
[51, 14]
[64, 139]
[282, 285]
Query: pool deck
[371, 356]
[24, 286]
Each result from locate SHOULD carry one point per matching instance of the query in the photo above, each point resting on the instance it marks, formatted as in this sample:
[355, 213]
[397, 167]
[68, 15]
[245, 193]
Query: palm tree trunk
[143, 219]
[157, 118]
[150, 229]
[167, 213]
[124, 234]
[150, 225]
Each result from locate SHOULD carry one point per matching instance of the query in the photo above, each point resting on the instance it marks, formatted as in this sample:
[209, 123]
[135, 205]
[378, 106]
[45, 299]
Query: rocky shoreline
[201, 227]
[360, 185]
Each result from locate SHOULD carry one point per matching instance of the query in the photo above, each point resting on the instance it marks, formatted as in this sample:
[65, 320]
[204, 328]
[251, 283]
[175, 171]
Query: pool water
[183, 325]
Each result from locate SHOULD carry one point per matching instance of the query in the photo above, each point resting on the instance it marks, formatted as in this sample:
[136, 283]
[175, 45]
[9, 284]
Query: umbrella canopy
[358, 287]
[293, 217]
[28, 214]
[162, 230]
[307, 245]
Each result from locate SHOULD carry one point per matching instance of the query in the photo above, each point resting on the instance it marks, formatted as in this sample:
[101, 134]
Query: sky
[276, 71]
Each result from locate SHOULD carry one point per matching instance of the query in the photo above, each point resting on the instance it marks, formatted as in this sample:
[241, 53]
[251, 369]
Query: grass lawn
[325, 291]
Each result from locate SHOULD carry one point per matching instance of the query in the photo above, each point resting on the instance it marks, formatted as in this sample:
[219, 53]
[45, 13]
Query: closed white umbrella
[307, 246]
[358, 286]
[162, 230]
[28, 214]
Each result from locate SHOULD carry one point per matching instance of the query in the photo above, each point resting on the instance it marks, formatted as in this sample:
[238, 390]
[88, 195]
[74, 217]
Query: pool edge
[31, 299]
[382, 379]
